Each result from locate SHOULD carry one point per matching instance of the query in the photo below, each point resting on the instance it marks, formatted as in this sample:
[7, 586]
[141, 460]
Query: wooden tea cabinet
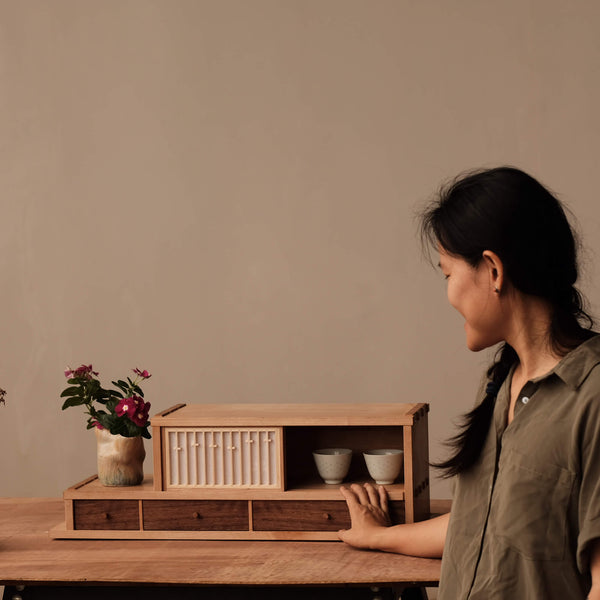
[246, 471]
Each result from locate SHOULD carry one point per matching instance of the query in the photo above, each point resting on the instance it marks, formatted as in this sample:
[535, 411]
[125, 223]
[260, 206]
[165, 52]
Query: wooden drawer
[106, 514]
[309, 515]
[300, 515]
[195, 515]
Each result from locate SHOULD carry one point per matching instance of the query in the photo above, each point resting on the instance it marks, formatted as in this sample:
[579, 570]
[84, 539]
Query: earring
[497, 290]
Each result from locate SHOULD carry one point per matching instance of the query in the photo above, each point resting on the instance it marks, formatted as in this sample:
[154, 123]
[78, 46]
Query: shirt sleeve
[589, 493]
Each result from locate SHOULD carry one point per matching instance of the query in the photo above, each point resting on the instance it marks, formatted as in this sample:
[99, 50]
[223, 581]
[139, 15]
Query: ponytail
[468, 442]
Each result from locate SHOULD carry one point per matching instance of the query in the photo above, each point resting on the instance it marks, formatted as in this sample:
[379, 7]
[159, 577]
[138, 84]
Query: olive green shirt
[524, 515]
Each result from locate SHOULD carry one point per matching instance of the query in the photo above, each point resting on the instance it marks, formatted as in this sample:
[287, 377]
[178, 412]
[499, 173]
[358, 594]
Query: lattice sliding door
[218, 457]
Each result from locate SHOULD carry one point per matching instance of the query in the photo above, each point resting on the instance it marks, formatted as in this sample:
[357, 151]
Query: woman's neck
[528, 334]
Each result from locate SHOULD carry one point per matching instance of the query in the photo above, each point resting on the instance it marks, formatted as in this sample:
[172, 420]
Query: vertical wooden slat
[204, 459]
[232, 457]
[157, 451]
[409, 484]
[172, 461]
[281, 460]
[223, 457]
[268, 461]
[178, 459]
[237, 442]
[166, 454]
[259, 461]
[212, 458]
[191, 461]
[69, 520]
[243, 449]
[186, 452]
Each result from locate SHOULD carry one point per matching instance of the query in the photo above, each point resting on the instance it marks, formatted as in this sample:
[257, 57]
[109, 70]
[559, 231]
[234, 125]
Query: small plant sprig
[2, 396]
[122, 411]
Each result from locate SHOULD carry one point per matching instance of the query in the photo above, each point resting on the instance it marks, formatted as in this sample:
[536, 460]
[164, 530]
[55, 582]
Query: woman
[525, 519]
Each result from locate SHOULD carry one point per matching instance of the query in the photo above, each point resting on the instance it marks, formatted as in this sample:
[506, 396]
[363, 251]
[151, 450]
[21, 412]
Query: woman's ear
[496, 270]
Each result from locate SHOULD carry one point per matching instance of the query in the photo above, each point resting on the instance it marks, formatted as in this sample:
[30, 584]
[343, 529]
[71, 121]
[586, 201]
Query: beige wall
[223, 192]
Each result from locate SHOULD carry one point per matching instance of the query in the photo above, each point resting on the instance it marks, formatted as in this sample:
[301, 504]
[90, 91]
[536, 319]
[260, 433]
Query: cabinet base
[60, 532]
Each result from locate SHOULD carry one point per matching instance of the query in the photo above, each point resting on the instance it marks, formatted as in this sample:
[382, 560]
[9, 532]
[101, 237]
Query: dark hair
[510, 213]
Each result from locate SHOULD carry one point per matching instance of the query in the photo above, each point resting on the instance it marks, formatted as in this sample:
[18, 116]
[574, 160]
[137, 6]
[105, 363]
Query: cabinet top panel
[270, 415]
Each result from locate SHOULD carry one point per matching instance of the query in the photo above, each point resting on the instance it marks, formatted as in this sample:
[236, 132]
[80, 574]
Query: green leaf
[119, 427]
[72, 402]
[71, 391]
[111, 405]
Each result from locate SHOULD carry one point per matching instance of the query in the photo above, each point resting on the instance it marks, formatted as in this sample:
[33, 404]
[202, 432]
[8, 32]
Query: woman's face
[471, 293]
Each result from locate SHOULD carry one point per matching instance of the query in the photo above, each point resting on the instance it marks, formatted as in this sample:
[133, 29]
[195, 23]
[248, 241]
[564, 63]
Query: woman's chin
[475, 344]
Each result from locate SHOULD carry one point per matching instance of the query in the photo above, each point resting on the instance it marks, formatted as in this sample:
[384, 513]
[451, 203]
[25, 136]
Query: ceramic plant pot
[120, 459]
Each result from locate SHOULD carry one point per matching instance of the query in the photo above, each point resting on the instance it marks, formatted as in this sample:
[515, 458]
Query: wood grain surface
[29, 555]
[245, 415]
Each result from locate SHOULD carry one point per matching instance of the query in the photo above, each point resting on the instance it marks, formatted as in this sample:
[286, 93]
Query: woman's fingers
[383, 499]
[349, 496]
[360, 493]
[366, 494]
[373, 494]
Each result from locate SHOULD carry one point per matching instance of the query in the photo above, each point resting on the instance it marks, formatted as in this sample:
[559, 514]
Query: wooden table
[29, 557]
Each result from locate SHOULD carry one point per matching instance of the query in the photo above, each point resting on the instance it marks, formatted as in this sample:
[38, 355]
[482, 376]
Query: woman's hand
[369, 514]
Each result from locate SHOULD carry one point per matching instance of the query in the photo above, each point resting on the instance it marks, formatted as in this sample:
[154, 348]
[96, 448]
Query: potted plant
[120, 418]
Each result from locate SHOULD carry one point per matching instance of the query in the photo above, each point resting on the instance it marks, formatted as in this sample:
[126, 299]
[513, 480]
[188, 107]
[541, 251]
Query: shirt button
[524, 399]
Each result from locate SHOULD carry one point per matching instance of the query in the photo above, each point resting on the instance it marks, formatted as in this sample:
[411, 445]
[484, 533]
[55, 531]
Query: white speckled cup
[384, 464]
[333, 463]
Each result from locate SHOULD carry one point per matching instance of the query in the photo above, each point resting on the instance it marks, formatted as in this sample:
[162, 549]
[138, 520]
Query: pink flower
[141, 414]
[85, 371]
[128, 406]
[96, 424]
[143, 374]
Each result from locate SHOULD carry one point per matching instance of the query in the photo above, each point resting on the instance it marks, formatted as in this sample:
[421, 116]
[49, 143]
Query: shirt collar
[577, 364]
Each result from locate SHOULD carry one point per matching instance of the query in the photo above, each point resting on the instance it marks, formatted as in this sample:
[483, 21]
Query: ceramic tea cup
[384, 464]
[333, 463]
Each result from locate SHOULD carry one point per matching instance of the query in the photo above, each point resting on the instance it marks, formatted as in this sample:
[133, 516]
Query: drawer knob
[106, 515]
[327, 516]
[196, 515]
